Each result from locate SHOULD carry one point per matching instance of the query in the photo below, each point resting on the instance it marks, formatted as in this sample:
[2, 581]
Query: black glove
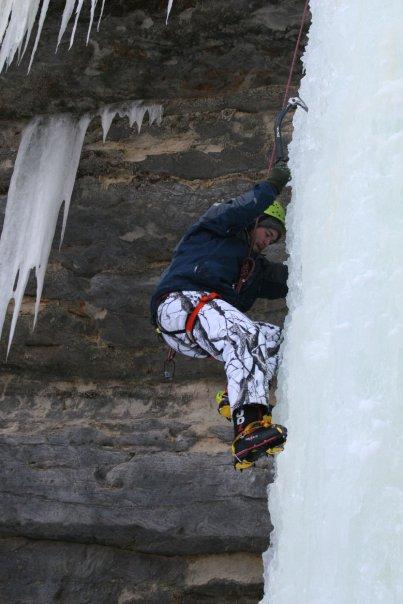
[279, 175]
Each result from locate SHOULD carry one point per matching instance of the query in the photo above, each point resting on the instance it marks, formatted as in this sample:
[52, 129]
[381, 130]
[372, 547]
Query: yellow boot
[255, 435]
[222, 400]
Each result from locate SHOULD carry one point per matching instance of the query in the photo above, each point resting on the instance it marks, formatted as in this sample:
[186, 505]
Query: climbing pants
[248, 349]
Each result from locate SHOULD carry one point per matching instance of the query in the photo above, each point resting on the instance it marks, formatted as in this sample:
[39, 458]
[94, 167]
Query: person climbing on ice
[216, 274]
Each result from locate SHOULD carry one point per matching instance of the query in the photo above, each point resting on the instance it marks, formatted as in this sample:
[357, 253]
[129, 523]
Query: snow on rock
[337, 503]
[43, 179]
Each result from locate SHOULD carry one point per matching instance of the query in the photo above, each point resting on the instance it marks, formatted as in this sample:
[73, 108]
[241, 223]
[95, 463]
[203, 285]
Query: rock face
[117, 486]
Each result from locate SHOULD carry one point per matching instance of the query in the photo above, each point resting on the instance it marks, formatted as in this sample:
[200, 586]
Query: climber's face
[264, 237]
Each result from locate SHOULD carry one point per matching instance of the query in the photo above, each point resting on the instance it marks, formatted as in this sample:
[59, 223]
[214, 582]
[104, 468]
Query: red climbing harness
[169, 364]
[191, 318]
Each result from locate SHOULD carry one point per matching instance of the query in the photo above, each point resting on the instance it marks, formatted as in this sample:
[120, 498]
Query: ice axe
[278, 139]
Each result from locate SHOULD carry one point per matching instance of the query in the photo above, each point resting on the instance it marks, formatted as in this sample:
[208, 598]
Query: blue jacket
[210, 254]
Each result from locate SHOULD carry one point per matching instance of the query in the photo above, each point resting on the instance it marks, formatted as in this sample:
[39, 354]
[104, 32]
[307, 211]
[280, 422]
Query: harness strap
[169, 364]
[191, 318]
[161, 330]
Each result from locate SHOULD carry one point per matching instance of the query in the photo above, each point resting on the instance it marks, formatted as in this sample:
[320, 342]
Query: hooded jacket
[211, 252]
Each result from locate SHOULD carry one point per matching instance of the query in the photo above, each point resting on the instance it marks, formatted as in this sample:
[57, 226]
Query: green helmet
[274, 216]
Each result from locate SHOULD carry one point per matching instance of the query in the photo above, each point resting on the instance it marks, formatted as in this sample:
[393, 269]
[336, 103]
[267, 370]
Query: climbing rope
[248, 264]
[292, 67]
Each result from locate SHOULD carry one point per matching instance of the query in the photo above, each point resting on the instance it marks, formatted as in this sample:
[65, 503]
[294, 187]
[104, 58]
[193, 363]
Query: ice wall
[43, 178]
[337, 503]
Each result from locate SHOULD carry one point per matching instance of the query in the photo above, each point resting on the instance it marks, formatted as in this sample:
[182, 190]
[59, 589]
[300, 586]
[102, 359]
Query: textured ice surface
[43, 178]
[337, 503]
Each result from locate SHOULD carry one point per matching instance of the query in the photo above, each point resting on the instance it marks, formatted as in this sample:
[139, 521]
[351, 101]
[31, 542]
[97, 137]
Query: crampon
[257, 439]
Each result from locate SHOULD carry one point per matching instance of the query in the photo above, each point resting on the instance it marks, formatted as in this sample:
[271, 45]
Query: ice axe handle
[281, 154]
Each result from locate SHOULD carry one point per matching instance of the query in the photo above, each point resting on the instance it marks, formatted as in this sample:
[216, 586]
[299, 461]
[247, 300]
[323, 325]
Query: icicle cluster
[135, 111]
[42, 180]
[17, 19]
[337, 502]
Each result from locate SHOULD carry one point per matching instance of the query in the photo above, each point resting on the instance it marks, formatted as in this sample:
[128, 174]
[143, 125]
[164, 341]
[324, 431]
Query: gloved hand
[279, 175]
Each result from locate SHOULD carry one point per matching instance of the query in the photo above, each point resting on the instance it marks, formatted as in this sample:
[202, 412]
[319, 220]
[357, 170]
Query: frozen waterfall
[337, 503]
[43, 178]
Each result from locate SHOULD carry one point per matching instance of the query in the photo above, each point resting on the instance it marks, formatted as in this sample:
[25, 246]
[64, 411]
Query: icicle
[155, 114]
[43, 179]
[107, 116]
[78, 11]
[45, 6]
[93, 7]
[170, 3]
[5, 10]
[17, 19]
[30, 25]
[136, 114]
[135, 111]
[68, 11]
[15, 25]
[101, 14]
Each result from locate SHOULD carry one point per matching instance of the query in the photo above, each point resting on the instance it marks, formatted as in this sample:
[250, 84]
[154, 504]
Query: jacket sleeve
[273, 282]
[227, 218]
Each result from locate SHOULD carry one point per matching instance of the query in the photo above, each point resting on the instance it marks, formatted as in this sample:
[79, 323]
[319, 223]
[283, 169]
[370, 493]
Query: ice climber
[200, 300]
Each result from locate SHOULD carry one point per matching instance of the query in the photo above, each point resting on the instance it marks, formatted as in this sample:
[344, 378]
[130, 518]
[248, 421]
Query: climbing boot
[255, 435]
[223, 406]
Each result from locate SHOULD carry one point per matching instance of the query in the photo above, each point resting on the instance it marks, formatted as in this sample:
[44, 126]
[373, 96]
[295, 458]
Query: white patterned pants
[248, 349]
